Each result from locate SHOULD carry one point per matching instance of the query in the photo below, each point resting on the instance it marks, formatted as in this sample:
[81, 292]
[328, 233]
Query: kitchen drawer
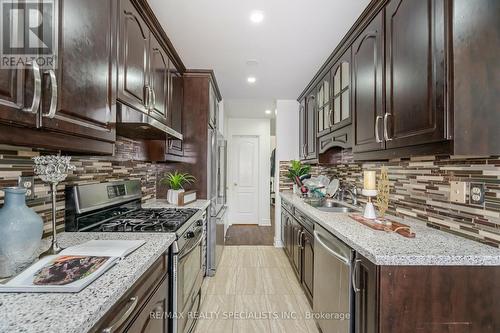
[135, 299]
[287, 206]
[305, 221]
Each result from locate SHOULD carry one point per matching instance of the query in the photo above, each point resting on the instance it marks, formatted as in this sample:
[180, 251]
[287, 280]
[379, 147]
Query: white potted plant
[176, 181]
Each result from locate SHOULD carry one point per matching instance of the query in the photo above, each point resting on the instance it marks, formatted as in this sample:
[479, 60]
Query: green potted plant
[297, 169]
[176, 181]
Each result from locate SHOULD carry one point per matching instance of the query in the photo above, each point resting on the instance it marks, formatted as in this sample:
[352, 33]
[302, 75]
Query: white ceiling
[249, 108]
[292, 42]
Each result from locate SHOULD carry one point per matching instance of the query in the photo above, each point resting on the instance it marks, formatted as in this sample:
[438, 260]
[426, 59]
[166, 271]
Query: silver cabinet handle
[377, 135]
[37, 89]
[133, 304]
[386, 132]
[147, 96]
[330, 117]
[53, 95]
[298, 238]
[302, 239]
[353, 276]
[153, 99]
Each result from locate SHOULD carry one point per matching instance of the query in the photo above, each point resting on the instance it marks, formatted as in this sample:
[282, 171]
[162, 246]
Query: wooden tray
[400, 228]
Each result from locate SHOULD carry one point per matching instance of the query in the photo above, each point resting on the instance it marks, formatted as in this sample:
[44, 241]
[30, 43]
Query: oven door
[189, 280]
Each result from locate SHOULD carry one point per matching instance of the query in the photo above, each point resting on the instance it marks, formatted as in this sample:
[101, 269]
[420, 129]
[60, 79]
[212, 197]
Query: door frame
[230, 172]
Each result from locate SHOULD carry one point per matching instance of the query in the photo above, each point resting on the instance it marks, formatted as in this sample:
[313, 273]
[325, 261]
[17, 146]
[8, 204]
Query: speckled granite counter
[77, 313]
[162, 203]
[429, 247]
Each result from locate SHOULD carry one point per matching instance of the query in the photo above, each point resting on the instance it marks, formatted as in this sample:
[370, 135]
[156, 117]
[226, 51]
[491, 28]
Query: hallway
[255, 290]
[251, 234]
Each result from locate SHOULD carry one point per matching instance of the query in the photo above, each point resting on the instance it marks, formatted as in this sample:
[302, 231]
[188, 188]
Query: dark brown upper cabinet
[302, 129]
[78, 95]
[367, 85]
[214, 107]
[415, 73]
[133, 61]
[341, 84]
[310, 148]
[159, 81]
[323, 105]
[175, 146]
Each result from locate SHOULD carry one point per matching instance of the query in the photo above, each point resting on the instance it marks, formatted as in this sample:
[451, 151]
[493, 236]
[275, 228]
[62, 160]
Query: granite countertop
[429, 247]
[79, 312]
[162, 203]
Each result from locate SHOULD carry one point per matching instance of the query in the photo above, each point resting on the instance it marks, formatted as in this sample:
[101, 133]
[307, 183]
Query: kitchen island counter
[79, 312]
[163, 203]
[429, 247]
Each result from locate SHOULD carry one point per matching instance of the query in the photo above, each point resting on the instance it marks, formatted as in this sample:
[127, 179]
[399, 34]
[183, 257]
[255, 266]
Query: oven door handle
[182, 255]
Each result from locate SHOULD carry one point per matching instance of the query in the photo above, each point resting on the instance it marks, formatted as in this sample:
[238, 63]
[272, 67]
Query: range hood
[134, 124]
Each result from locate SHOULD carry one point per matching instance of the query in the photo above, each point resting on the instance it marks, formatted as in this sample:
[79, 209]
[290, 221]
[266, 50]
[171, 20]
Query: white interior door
[245, 182]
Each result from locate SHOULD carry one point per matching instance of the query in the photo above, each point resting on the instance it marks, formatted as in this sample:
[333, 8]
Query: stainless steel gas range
[116, 207]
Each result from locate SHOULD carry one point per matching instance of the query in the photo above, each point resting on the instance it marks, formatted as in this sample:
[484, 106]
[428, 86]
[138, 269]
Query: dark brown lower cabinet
[299, 247]
[427, 299]
[144, 307]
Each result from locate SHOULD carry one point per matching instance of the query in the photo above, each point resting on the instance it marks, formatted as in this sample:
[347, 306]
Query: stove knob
[189, 234]
[199, 223]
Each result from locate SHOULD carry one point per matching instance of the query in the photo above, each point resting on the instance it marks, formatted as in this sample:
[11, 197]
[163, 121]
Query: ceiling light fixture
[268, 111]
[251, 79]
[256, 16]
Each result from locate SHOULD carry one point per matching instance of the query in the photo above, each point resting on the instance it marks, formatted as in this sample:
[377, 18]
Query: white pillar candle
[369, 182]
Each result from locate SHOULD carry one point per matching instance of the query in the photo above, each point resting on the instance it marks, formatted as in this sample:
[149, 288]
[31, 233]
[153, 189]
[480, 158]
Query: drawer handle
[133, 304]
[377, 135]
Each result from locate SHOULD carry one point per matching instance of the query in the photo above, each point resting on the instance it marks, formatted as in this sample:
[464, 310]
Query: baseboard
[278, 243]
[265, 223]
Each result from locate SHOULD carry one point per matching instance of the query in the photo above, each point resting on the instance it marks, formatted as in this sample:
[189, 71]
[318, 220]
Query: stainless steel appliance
[218, 195]
[333, 293]
[116, 207]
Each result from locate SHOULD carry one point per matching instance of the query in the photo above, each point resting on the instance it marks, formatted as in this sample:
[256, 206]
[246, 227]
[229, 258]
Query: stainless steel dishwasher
[333, 295]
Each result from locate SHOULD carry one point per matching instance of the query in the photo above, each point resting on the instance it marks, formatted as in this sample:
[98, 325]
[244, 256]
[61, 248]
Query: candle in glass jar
[369, 180]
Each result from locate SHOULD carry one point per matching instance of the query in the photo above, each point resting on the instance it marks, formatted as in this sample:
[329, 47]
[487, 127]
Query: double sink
[330, 206]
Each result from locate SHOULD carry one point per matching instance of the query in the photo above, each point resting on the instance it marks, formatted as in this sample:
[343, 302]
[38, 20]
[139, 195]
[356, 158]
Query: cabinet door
[341, 92]
[302, 129]
[308, 264]
[133, 58]
[212, 111]
[296, 250]
[367, 80]
[311, 115]
[175, 147]
[159, 81]
[323, 98]
[152, 317]
[83, 105]
[415, 73]
[366, 295]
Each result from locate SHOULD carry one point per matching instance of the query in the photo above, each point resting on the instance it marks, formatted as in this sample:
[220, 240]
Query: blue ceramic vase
[20, 232]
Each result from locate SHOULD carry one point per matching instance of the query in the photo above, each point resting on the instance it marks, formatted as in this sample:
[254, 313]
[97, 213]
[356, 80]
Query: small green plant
[297, 169]
[176, 180]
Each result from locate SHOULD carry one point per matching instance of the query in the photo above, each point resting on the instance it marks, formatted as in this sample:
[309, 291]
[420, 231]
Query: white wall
[287, 148]
[260, 127]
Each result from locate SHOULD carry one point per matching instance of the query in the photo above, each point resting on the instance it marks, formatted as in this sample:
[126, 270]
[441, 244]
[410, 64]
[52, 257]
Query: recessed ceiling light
[251, 79]
[256, 16]
[268, 111]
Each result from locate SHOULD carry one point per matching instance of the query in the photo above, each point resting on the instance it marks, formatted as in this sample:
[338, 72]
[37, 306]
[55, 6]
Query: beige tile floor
[254, 290]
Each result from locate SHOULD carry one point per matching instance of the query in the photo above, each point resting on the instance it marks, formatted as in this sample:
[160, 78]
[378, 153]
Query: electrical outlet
[29, 184]
[458, 192]
[476, 194]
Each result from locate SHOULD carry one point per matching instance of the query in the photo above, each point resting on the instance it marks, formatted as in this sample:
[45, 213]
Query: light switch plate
[458, 192]
[29, 184]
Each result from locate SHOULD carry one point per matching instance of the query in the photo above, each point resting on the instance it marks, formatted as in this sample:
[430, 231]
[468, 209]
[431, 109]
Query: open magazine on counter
[72, 269]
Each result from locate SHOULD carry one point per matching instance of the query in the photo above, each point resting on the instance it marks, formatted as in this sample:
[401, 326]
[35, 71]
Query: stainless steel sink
[336, 209]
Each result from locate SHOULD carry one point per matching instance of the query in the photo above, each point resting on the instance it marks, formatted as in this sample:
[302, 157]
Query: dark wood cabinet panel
[296, 250]
[311, 151]
[152, 319]
[415, 73]
[308, 264]
[367, 85]
[302, 129]
[159, 81]
[476, 77]
[175, 147]
[365, 295]
[84, 100]
[133, 58]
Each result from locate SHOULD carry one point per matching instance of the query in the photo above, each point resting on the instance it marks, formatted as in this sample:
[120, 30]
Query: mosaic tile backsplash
[420, 188]
[16, 161]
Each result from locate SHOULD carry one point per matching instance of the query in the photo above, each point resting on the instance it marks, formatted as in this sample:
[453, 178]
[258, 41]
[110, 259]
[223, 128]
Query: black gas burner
[148, 220]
